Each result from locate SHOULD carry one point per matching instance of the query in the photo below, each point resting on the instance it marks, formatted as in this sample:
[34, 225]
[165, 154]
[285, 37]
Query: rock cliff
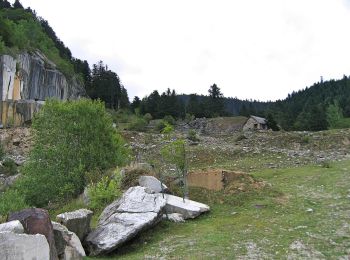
[26, 81]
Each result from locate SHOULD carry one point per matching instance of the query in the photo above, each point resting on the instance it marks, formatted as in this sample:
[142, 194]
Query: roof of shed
[260, 120]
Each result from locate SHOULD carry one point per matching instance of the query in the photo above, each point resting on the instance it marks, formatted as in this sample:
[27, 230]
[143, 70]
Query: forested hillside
[322, 105]
[21, 30]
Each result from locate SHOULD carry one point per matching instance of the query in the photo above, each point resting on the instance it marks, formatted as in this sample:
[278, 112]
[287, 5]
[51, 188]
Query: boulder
[187, 208]
[137, 210]
[77, 221]
[37, 221]
[174, 217]
[67, 243]
[152, 183]
[23, 246]
[12, 226]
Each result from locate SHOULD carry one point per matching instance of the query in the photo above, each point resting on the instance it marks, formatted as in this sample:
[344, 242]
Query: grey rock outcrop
[77, 221]
[187, 208]
[152, 183]
[67, 243]
[22, 246]
[37, 221]
[137, 210]
[29, 79]
[7, 181]
[12, 226]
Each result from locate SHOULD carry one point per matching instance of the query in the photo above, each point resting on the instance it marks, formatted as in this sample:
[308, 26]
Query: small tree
[175, 154]
[271, 123]
[334, 115]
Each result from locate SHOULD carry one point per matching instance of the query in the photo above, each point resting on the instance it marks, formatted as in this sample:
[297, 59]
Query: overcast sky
[250, 48]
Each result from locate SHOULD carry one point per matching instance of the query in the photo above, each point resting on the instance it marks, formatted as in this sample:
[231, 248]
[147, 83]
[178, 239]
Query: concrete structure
[255, 123]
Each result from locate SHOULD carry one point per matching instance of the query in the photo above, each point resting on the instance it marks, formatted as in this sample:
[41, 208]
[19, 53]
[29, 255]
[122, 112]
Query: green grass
[261, 224]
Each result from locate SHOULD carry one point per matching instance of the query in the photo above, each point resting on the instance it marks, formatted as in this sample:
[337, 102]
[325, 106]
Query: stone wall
[26, 82]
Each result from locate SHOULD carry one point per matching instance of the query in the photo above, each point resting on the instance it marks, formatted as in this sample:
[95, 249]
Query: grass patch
[263, 224]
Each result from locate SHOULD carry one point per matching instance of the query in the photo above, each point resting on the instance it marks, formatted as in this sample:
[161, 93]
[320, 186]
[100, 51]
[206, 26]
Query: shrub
[138, 124]
[305, 139]
[192, 135]
[10, 201]
[160, 125]
[70, 138]
[8, 167]
[189, 118]
[167, 129]
[131, 176]
[104, 192]
[148, 117]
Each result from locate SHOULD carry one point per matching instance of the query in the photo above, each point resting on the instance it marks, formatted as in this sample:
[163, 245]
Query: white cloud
[250, 49]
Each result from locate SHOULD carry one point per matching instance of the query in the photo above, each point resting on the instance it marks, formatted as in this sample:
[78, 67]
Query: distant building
[255, 123]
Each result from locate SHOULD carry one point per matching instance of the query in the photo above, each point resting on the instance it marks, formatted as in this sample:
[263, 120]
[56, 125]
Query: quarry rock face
[187, 208]
[23, 246]
[28, 80]
[137, 210]
[37, 221]
[77, 221]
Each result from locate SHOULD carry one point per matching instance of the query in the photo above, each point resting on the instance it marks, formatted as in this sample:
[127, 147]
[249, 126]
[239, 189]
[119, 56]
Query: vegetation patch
[70, 139]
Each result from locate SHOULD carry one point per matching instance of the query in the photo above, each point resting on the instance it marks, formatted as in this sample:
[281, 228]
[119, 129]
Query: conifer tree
[17, 5]
[4, 4]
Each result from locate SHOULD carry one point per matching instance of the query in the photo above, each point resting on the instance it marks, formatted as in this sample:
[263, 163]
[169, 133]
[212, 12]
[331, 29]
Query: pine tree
[135, 103]
[4, 4]
[17, 5]
[271, 123]
[215, 102]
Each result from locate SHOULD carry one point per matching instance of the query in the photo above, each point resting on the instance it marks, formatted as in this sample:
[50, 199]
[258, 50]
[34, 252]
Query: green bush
[104, 192]
[189, 118]
[160, 125]
[120, 116]
[138, 124]
[167, 129]
[70, 138]
[192, 135]
[148, 117]
[8, 167]
[10, 201]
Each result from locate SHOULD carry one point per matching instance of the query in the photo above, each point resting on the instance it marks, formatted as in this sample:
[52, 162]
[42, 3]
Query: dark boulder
[37, 221]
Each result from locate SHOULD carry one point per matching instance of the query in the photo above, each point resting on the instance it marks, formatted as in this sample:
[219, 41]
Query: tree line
[177, 106]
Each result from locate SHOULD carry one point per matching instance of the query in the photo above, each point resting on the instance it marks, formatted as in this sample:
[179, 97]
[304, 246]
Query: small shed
[255, 123]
